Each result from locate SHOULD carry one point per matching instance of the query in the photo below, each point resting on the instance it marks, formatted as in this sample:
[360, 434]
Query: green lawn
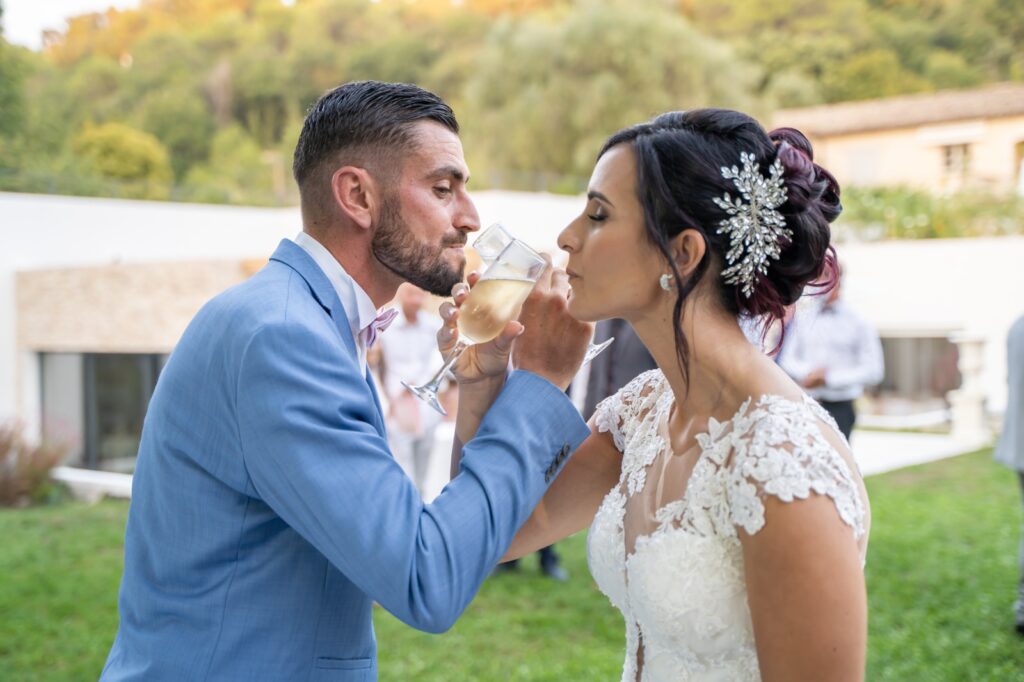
[941, 575]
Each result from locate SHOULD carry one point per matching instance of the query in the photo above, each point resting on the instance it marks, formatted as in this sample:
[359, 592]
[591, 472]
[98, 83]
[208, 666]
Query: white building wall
[910, 287]
[975, 286]
[43, 231]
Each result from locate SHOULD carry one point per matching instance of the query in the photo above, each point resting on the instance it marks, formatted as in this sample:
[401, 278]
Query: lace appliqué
[627, 417]
[774, 449]
[787, 457]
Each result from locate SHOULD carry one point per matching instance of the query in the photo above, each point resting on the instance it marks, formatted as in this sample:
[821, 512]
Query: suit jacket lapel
[376, 401]
[295, 257]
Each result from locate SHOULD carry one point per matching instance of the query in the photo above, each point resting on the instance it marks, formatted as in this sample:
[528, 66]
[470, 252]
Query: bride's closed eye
[598, 214]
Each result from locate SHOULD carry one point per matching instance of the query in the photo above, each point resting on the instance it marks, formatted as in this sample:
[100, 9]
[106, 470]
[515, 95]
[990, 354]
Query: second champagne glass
[489, 244]
[495, 301]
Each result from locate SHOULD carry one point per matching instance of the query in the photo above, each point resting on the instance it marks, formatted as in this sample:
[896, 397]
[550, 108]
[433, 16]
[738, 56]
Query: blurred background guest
[834, 353]
[619, 364]
[1010, 450]
[409, 353]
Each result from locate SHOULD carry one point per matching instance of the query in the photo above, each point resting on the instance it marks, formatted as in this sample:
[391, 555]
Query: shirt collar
[359, 308]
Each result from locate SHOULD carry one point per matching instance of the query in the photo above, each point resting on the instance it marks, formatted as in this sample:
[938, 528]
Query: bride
[728, 520]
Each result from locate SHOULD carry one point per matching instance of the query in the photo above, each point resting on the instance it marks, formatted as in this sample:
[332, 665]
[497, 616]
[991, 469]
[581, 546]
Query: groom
[267, 513]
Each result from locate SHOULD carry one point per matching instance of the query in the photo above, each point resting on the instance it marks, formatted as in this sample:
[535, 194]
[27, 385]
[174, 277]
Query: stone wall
[137, 308]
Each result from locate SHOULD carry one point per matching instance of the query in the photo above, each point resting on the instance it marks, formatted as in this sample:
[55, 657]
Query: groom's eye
[441, 190]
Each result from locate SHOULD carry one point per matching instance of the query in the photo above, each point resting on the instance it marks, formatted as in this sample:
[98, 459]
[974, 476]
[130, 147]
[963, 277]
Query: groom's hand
[554, 342]
[482, 361]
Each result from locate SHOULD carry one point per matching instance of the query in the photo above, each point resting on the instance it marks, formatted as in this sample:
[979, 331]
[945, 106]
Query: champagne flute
[489, 244]
[495, 301]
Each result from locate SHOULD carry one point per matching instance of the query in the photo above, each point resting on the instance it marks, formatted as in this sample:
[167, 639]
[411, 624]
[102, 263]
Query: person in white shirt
[1010, 449]
[409, 351]
[834, 353]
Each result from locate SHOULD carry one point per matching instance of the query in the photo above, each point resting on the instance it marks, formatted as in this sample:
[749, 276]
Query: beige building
[940, 142]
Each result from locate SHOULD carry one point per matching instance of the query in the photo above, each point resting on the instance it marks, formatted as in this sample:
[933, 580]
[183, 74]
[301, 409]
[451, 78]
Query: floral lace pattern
[681, 591]
[613, 416]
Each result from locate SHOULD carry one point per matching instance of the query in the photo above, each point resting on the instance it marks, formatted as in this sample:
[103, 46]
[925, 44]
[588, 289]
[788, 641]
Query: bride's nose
[568, 239]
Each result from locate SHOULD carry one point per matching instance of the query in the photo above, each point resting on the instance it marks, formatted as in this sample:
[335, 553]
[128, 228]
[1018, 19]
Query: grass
[59, 571]
[942, 572]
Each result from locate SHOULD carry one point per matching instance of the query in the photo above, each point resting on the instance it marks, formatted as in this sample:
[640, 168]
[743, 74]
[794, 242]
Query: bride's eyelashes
[597, 216]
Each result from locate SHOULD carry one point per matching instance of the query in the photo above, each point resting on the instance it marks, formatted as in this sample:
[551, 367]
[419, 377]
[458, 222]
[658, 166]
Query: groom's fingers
[459, 293]
[512, 330]
[448, 334]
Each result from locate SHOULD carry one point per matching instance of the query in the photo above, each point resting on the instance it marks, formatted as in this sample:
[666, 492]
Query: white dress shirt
[410, 354]
[1010, 449]
[841, 341]
[359, 308]
[410, 350]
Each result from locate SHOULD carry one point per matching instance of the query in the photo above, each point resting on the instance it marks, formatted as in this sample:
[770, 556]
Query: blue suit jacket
[268, 514]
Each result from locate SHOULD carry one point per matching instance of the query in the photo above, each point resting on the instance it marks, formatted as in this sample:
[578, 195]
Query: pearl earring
[665, 282]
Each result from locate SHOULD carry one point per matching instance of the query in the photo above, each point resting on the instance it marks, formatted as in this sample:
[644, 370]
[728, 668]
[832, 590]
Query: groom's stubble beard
[418, 263]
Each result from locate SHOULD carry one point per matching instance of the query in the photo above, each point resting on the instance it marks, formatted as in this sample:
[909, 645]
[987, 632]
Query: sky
[25, 20]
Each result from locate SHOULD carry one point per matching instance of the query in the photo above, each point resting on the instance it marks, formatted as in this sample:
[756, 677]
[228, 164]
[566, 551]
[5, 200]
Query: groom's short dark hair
[363, 123]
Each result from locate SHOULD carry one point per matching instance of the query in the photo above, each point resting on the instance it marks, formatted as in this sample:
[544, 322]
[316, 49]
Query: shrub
[901, 213]
[25, 467]
[136, 159]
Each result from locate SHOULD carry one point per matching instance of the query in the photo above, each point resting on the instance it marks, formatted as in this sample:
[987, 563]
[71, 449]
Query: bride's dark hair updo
[680, 156]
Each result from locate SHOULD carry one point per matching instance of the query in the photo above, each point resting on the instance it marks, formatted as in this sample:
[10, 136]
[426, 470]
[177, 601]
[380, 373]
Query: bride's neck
[720, 358]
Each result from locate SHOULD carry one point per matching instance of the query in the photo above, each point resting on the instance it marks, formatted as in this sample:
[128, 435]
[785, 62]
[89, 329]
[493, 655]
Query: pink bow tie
[370, 332]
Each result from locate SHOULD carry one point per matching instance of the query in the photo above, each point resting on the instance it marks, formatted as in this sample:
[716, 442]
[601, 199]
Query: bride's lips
[572, 275]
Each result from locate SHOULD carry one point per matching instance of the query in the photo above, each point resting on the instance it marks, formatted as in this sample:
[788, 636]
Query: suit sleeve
[314, 456]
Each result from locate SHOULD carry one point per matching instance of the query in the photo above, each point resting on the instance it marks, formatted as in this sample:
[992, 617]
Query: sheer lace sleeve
[618, 414]
[779, 450]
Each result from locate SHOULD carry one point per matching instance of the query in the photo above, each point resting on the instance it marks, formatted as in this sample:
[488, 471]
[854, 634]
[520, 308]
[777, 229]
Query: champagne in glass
[489, 307]
[488, 245]
[495, 301]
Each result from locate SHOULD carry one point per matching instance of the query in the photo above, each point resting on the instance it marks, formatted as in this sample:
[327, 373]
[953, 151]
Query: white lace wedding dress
[672, 562]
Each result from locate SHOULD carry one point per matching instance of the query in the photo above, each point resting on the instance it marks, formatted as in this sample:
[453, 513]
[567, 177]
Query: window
[956, 160]
[63, 416]
[97, 402]
[1018, 167]
[920, 367]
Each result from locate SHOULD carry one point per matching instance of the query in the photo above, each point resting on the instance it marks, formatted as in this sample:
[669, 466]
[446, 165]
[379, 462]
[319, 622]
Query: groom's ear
[688, 249]
[355, 194]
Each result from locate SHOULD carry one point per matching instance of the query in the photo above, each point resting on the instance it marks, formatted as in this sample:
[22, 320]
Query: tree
[888, 46]
[260, 82]
[874, 73]
[128, 156]
[12, 96]
[235, 173]
[165, 59]
[179, 118]
[537, 84]
[12, 93]
[100, 83]
[547, 93]
[399, 59]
